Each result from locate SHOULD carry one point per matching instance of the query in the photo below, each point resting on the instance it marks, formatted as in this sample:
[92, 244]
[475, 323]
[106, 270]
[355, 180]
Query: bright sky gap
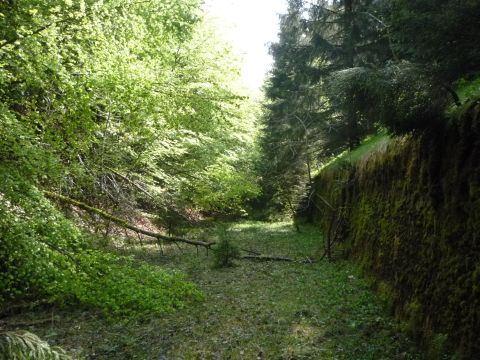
[249, 26]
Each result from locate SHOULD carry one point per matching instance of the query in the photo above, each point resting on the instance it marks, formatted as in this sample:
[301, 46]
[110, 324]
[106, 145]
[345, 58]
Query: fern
[22, 345]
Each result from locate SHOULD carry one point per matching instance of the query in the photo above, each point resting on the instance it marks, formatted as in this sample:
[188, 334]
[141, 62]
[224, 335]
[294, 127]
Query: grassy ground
[468, 89]
[369, 144]
[251, 311]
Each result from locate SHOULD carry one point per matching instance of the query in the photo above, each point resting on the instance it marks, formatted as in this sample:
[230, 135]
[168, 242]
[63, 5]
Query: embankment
[411, 218]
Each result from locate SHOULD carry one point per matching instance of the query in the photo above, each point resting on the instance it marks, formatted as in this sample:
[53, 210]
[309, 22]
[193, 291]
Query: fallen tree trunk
[266, 258]
[124, 223]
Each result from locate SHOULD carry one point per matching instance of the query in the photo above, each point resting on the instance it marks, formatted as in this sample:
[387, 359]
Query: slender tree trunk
[348, 41]
[349, 50]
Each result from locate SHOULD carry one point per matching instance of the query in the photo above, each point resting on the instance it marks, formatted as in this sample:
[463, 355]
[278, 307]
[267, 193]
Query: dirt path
[251, 311]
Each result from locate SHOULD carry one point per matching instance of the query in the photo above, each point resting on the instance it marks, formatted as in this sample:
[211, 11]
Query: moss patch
[412, 219]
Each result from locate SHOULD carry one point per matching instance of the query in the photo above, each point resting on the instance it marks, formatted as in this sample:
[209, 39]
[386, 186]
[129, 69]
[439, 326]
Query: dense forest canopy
[348, 69]
[124, 105]
[84, 77]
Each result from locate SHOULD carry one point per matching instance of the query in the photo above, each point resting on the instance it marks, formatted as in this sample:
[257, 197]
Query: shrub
[45, 258]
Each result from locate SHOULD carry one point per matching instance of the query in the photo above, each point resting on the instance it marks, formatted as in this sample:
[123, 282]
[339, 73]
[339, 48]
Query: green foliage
[289, 137]
[468, 89]
[145, 90]
[368, 146]
[224, 253]
[400, 97]
[439, 34]
[36, 241]
[343, 69]
[120, 286]
[123, 104]
[21, 345]
[44, 257]
[323, 310]
[225, 190]
[314, 97]
[411, 215]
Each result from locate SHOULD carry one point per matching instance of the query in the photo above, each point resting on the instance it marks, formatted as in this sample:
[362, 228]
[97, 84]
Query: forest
[152, 207]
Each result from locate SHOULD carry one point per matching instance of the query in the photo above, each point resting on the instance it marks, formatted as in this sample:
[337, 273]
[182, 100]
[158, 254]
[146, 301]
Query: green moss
[387, 295]
[369, 145]
[413, 219]
[437, 346]
[413, 314]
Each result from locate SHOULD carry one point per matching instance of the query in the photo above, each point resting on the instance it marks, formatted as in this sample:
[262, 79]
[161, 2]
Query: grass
[468, 89]
[268, 310]
[368, 145]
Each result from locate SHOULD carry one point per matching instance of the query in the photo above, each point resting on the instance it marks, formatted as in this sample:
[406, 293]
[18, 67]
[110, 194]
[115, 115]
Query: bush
[45, 258]
[121, 286]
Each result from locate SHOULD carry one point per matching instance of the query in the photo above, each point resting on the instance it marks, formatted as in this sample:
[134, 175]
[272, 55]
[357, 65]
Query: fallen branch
[30, 322]
[124, 223]
[266, 258]
[250, 251]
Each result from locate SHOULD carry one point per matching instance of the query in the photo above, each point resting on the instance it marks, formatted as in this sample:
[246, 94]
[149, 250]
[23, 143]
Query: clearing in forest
[254, 310]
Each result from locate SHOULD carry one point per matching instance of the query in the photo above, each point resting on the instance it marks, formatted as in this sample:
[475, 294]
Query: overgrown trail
[265, 310]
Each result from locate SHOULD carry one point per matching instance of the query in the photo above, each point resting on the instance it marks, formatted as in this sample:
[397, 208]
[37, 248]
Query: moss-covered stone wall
[412, 220]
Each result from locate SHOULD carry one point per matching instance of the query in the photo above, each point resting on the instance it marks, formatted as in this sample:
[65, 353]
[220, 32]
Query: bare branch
[124, 223]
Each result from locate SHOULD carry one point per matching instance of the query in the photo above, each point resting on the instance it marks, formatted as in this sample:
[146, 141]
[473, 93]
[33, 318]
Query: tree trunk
[124, 223]
[349, 51]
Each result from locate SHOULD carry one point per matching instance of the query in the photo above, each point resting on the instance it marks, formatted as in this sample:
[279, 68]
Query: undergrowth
[254, 310]
[21, 345]
[45, 258]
